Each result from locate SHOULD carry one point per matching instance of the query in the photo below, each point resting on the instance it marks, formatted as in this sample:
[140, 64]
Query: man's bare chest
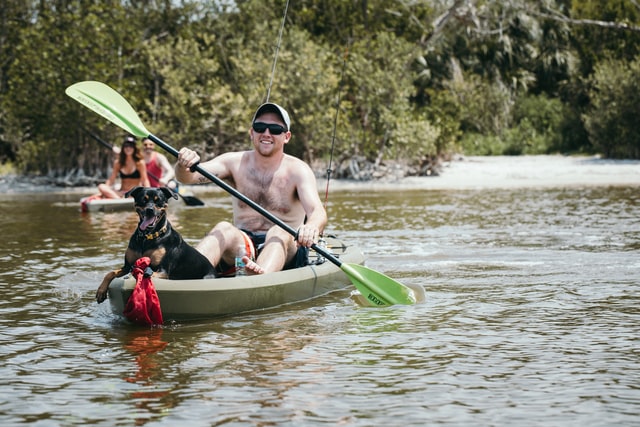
[273, 192]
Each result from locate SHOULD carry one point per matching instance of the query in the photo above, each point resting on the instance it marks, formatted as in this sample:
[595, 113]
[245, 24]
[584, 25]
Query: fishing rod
[275, 57]
[335, 126]
[321, 241]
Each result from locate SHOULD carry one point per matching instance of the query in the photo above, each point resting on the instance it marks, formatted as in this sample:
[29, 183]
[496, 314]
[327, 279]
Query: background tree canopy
[409, 81]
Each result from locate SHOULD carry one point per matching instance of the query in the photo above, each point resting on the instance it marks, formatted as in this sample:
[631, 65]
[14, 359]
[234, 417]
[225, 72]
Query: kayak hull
[206, 298]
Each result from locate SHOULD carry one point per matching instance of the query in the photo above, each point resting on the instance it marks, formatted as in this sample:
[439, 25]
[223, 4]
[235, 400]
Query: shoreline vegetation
[460, 173]
[366, 82]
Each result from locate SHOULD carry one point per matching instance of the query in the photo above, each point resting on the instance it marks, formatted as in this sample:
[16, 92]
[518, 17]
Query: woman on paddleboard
[129, 166]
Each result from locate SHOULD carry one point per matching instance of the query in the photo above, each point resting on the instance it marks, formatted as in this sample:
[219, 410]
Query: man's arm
[307, 188]
[187, 158]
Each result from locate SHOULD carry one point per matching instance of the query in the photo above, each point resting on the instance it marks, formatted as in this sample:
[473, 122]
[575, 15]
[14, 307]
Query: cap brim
[273, 108]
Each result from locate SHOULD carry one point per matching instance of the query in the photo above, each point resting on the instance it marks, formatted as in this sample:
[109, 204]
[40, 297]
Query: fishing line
[335, 127]
[275, 58]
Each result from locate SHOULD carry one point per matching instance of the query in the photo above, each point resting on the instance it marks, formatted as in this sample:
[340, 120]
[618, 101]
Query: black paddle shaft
[235, 193]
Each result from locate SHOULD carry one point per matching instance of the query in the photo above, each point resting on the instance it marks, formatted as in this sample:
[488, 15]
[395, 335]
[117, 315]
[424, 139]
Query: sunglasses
[274, 129]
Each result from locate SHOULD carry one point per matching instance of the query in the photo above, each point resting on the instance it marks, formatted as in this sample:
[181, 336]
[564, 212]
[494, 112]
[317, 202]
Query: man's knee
[222, 227]
[279, 237]
[278, 233]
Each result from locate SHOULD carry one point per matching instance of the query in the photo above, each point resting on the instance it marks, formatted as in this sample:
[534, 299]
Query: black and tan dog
[170, 255]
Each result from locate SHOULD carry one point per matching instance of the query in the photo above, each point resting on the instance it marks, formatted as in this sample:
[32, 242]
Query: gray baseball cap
[273, 108]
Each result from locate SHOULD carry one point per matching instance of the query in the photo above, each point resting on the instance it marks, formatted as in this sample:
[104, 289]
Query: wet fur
[170, 255]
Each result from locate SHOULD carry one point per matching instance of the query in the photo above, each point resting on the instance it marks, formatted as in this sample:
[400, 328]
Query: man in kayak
[282, 184]
[159, 169]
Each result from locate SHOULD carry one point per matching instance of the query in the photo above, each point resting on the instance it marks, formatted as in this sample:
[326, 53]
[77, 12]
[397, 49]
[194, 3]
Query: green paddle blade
[108, 103]
[377, 288]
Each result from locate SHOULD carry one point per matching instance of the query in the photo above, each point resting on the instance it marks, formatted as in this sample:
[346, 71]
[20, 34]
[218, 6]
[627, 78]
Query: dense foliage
[364, 80]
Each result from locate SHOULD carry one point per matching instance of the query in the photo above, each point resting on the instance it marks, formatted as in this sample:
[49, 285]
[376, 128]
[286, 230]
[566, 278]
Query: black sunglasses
[274, 129]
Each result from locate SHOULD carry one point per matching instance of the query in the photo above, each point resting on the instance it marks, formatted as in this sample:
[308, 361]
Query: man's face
[269, 134]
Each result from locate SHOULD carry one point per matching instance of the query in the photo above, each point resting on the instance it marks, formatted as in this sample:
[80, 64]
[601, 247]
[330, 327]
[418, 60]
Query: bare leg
[221, 243]
[279, 248]
[108, 192]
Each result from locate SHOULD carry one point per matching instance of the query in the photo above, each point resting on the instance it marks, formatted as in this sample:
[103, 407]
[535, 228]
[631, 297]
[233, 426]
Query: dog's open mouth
[148, 221]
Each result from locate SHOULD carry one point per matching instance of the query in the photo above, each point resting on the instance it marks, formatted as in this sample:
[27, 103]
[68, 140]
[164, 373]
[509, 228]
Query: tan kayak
[205, 298]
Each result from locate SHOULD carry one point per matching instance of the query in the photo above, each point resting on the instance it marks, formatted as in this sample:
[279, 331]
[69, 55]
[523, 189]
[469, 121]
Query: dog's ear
[169, 192]
[133, 192]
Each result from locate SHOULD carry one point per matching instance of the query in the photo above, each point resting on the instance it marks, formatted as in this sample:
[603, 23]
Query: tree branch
[593, 22]
[441, 21]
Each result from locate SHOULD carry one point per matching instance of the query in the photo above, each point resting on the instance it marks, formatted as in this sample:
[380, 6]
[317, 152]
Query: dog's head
[151, 206]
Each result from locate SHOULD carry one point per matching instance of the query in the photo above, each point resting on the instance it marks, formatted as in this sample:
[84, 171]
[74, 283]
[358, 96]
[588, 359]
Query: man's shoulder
[296, 164]
[294, 160]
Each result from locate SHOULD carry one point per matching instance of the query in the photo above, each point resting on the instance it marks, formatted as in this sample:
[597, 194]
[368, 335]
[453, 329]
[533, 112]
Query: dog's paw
[101, 295]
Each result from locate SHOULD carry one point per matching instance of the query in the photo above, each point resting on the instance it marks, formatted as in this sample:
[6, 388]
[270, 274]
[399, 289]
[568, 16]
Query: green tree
[189, 103]
[421, 78]
[14, 16]
[380, 87]
[615, 107]
[65, 43]
[596, 41]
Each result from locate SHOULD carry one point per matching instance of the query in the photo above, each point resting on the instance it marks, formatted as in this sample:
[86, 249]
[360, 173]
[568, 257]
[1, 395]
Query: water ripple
[531, 318]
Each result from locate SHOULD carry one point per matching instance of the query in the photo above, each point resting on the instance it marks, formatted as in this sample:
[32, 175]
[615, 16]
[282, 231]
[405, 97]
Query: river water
[532, 318]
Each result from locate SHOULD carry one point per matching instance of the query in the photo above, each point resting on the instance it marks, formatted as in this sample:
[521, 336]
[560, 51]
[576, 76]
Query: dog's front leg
[101, 293]
[130, 257]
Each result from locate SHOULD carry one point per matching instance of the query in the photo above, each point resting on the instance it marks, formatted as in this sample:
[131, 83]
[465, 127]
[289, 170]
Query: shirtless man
[159, 170]
[282, 184]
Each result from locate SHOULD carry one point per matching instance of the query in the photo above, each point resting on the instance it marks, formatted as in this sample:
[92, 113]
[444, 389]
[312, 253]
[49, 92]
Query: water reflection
[144, 344]
[149, 398]
[109, 225]
[531, 313]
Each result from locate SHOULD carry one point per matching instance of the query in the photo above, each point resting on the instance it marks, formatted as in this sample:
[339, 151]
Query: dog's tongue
[147, 222]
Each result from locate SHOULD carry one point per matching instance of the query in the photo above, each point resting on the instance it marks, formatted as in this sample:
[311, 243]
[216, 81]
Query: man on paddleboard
[159, 169]
[282, 184]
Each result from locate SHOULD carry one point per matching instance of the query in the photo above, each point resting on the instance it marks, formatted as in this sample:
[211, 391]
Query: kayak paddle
[377, 288]
[188, 200]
